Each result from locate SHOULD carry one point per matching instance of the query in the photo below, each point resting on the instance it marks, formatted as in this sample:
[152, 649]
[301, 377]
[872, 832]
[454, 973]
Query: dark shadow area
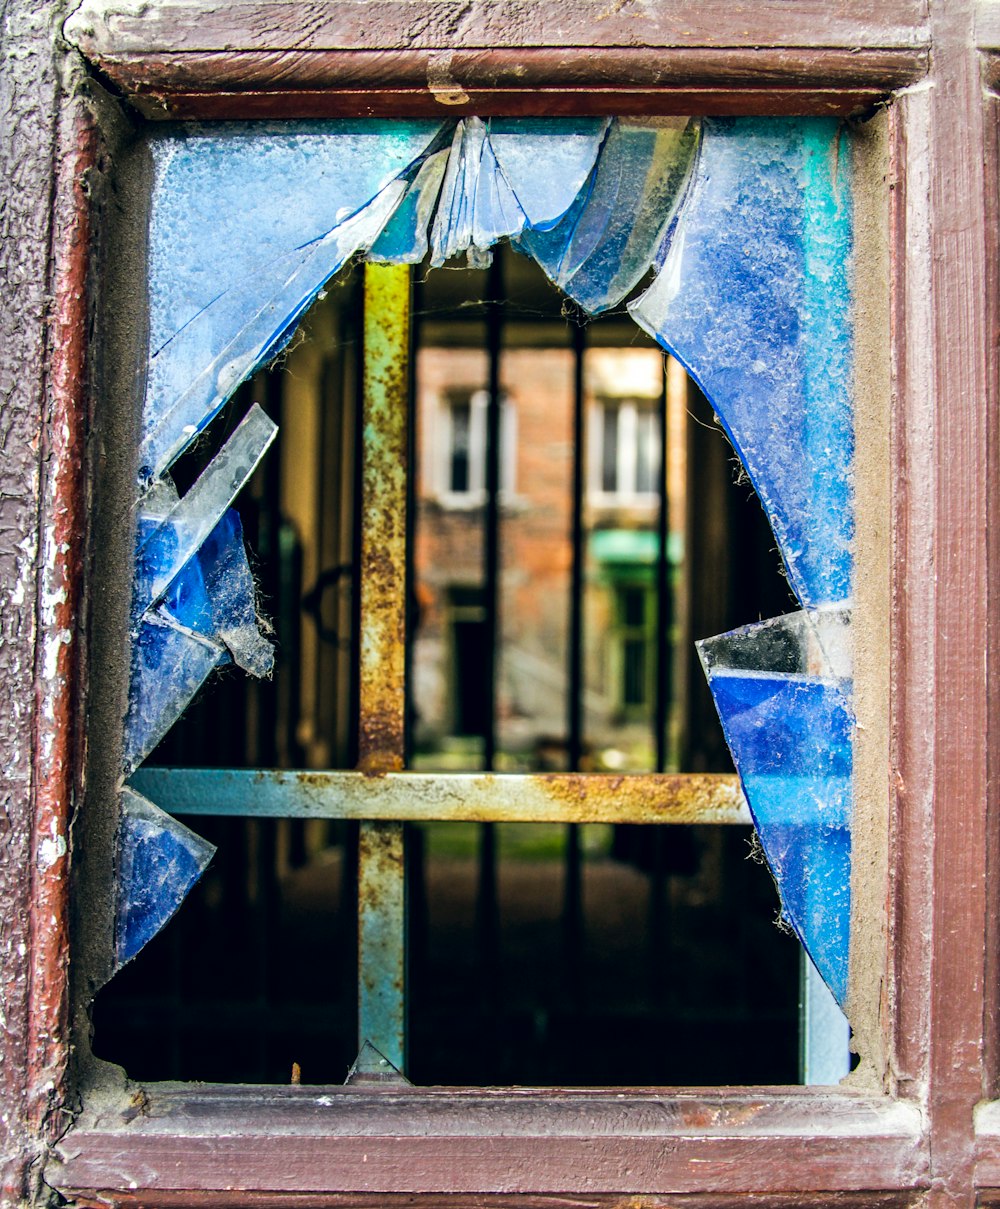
[575, 955]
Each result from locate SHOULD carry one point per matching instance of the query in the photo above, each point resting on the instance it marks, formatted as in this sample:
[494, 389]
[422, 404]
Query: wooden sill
[171, 1141]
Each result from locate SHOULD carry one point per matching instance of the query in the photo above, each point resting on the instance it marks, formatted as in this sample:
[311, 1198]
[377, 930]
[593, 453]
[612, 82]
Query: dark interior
[545, 954]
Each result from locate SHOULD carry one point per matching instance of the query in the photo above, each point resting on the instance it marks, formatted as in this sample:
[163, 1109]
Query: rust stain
[383, 540]
[677, 796]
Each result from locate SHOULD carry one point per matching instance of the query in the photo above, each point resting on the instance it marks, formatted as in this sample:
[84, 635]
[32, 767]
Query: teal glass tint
[753, 297]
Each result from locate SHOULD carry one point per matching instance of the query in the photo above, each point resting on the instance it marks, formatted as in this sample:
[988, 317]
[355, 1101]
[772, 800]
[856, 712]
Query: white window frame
[626, 493]
[441, 439]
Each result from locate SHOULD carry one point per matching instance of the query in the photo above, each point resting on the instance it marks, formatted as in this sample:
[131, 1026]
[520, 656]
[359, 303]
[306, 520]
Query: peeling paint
[50, 850]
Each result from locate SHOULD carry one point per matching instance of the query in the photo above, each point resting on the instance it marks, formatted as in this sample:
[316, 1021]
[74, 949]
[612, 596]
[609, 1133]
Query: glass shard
[604, 245]
[179, 534]
[493, 187]
[371, 1066]
[207, 616]
[495, 210]
[192, 376]
[159, 860]
[230, 257]
[567, 147]
[451, 231]
[170, 662]
[783, 693]
[404, 239]
[231, 593]
[753, 298]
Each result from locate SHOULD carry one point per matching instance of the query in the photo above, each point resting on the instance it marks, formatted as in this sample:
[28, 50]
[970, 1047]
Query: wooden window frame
[929, 1133]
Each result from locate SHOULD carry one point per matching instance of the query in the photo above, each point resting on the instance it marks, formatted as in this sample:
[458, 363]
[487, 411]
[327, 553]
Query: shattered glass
[753, 298]
[159, 860]
[173, 540]
[746, 226]
[782, 689]
[605, 244]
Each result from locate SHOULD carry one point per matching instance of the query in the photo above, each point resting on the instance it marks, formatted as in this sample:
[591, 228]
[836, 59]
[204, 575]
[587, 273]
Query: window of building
[636, 636]
[852, 1144]
[194, 599]
[460, 444]
[625, 462]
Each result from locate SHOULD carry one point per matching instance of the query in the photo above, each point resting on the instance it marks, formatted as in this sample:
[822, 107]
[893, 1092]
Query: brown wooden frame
[919, 1138]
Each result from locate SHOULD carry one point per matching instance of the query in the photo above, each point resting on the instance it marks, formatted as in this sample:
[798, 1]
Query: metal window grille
[380, 794]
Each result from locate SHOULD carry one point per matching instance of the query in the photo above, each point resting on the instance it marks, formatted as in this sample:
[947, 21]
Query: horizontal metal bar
[468, 797]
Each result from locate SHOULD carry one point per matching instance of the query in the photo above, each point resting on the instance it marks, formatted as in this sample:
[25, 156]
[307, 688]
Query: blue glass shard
[754, 299]
[404, 239]
[493, 165]
[232, 615]
[159, 860]
[451, 231]
[221, 195]
[566, 147]
[207, 617]
[170, 662]
[179, 534]
[607, 241]
[233, 264]
[192, 377]
[785, 707]
[495, 212]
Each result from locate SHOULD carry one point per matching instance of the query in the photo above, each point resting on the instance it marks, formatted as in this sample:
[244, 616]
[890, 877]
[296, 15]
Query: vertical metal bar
[575, 695]
[487, 912]
[491, 545]
[381, 941]
[573, 887]
[382, 666]
[660, 929]
[664, 597]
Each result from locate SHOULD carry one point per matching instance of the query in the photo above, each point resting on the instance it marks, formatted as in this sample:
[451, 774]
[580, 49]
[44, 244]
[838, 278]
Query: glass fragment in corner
[783, 692]
[740, 232]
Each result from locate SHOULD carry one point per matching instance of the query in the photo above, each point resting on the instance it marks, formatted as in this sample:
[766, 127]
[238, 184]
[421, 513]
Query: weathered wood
[42, 256]
[444, 1140]
[942, 599]
[786, 1147]
[57, 736]
[233, 84]
[755, 67]
[991, 1006]
[179, 26]
[506, 102]
[189, 58]
[568, 1200]
[988, 25]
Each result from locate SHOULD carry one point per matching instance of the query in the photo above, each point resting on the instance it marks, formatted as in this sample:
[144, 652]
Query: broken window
[742, 228]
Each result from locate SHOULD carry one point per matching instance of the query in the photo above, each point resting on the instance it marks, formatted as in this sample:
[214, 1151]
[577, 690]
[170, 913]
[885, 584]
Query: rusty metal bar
[383, 518]
[381, 941]
[574, 696]
[712, 798]
[491, 535]
[660, 921]
[382, 665]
